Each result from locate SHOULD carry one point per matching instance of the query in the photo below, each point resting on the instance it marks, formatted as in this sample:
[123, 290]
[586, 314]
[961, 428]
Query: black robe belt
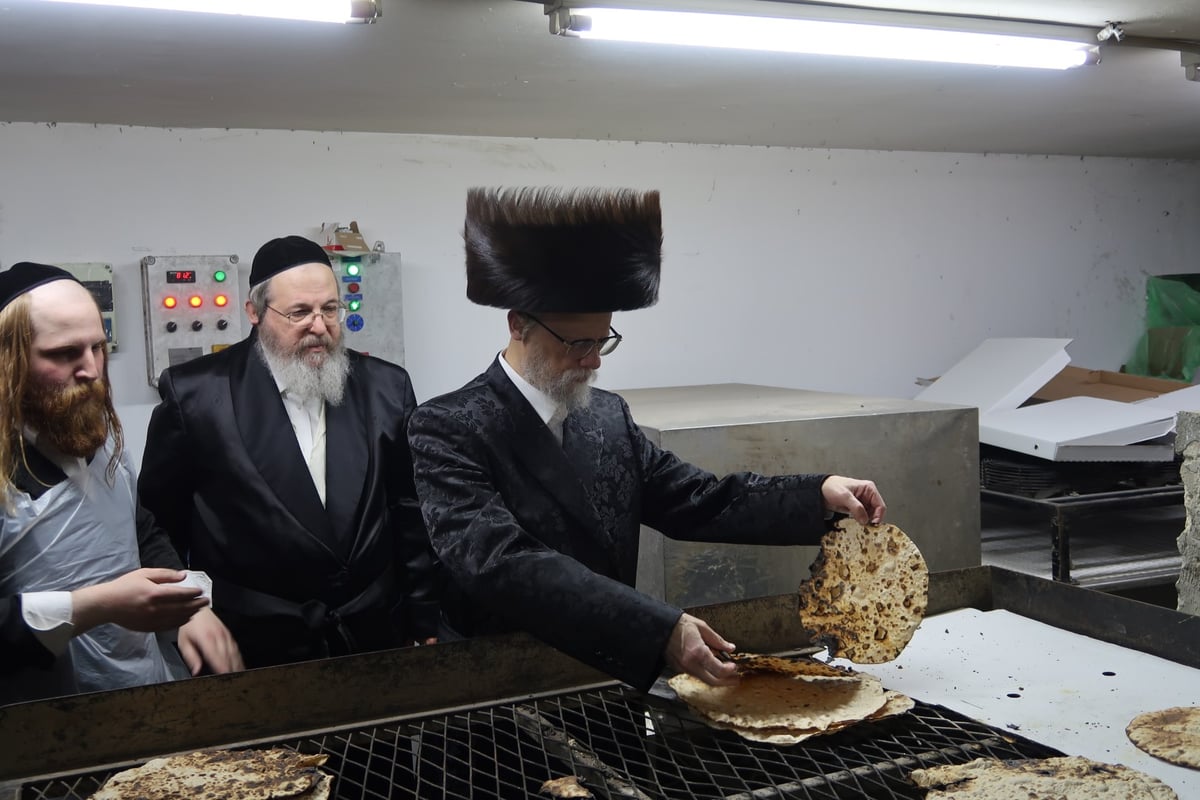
[332, 627]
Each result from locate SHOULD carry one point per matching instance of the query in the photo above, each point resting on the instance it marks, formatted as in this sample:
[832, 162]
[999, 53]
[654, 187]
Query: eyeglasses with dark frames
[330, 312]
[580, 349]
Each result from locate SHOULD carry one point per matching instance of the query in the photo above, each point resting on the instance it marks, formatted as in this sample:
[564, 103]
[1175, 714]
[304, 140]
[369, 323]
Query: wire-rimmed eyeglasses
[330, 312]
[580, 349]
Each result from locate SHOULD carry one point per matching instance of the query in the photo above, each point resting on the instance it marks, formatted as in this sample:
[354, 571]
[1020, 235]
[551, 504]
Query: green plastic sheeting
[1170, 345]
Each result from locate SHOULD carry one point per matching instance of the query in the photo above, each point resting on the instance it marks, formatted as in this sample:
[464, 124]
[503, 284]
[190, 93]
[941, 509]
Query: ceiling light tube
[309, 10]
[823, 37]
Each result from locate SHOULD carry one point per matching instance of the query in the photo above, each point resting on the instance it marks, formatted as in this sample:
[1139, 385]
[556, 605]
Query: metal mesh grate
[623, 744]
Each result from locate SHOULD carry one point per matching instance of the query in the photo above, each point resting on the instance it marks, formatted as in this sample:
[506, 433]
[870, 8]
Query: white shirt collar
[541, 402]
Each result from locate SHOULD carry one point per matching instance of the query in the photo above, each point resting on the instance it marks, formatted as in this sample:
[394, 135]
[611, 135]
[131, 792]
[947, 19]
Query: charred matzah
[1068, 778]
[867, 593]
[1172, 734]
[223, 775]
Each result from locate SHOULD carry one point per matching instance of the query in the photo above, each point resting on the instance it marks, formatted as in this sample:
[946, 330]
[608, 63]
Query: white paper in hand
[201, 581]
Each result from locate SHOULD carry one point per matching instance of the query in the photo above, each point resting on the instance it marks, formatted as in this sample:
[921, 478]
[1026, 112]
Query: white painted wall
[836, 270]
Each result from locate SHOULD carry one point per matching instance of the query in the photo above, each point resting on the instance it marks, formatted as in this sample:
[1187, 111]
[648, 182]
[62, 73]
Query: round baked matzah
[801, 666]
[223, 774]
[1072, 778]
[867, 593]
[769, 700]
[1172, 734]
[894, 704]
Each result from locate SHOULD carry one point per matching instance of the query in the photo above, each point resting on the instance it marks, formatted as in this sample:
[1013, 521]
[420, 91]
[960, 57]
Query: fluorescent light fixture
[310, 10]
[821, 37]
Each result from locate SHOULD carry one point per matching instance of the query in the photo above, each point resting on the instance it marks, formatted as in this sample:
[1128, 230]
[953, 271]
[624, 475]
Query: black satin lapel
[271, 443]
[347, 453]
[536, 448]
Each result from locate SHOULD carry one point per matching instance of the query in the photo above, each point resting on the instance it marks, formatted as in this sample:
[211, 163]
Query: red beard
[72, 419]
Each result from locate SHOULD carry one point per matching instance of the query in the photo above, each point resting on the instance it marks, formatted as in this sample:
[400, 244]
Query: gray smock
[79, 533]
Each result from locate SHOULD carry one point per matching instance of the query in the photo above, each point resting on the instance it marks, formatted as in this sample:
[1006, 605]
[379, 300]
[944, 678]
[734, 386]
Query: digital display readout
[181, 276]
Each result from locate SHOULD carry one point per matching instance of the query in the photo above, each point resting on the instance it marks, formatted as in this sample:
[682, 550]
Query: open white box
[1001, 374]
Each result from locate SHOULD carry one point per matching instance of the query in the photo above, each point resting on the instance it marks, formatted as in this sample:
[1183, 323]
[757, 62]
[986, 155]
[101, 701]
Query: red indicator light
[170, 302]
[221, 300]
[353, 288]
[195, 300]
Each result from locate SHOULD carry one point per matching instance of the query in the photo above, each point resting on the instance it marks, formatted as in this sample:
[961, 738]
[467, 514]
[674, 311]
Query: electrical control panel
[192, 307]
[370, 288]
[98, 279]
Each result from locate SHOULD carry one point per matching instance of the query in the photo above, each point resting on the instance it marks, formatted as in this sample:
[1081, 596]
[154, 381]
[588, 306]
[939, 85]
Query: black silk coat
[544, 538]
[223, 474]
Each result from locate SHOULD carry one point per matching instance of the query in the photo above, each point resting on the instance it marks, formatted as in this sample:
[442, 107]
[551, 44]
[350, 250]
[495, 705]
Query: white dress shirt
[308, 423]
[551, 413]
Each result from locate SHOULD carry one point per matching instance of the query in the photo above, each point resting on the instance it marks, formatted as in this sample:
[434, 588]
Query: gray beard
[326, 380]
[564, 388]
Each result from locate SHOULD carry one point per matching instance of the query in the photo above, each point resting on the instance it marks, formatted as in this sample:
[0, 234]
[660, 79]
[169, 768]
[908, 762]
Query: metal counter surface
[87, 732]
[1069, 691]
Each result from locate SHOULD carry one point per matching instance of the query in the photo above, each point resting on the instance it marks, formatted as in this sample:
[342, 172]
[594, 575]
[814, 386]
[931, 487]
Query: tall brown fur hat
[573, 251]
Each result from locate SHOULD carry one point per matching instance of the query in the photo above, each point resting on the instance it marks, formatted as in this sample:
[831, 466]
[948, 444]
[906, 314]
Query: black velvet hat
[279, 254]
[555, 250]
[20, 278]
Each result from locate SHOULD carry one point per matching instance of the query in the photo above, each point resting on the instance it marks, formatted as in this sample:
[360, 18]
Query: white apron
[79, 533]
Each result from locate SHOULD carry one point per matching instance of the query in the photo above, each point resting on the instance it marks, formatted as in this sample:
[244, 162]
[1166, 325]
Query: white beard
[570, 389]
[326, 380]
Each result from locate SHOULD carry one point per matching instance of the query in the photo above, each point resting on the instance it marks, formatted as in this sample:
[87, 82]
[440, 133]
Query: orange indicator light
[195, 300]
[221, 300]
[170, 302]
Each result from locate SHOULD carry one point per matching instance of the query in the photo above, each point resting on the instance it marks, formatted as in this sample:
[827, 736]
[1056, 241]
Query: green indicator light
[353, 269]
[354, 304]
[219, 276]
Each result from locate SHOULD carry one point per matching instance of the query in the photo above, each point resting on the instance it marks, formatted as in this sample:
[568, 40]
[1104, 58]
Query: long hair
[16, 347]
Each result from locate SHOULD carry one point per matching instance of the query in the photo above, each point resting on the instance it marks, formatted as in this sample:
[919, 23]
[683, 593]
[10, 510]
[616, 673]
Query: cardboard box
[1080, 382]
[1001, 374]
[1082, 429]
[341, 239]
[350, 240]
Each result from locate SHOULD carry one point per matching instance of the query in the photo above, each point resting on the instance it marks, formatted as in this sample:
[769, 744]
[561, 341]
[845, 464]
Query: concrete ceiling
[490, 68]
